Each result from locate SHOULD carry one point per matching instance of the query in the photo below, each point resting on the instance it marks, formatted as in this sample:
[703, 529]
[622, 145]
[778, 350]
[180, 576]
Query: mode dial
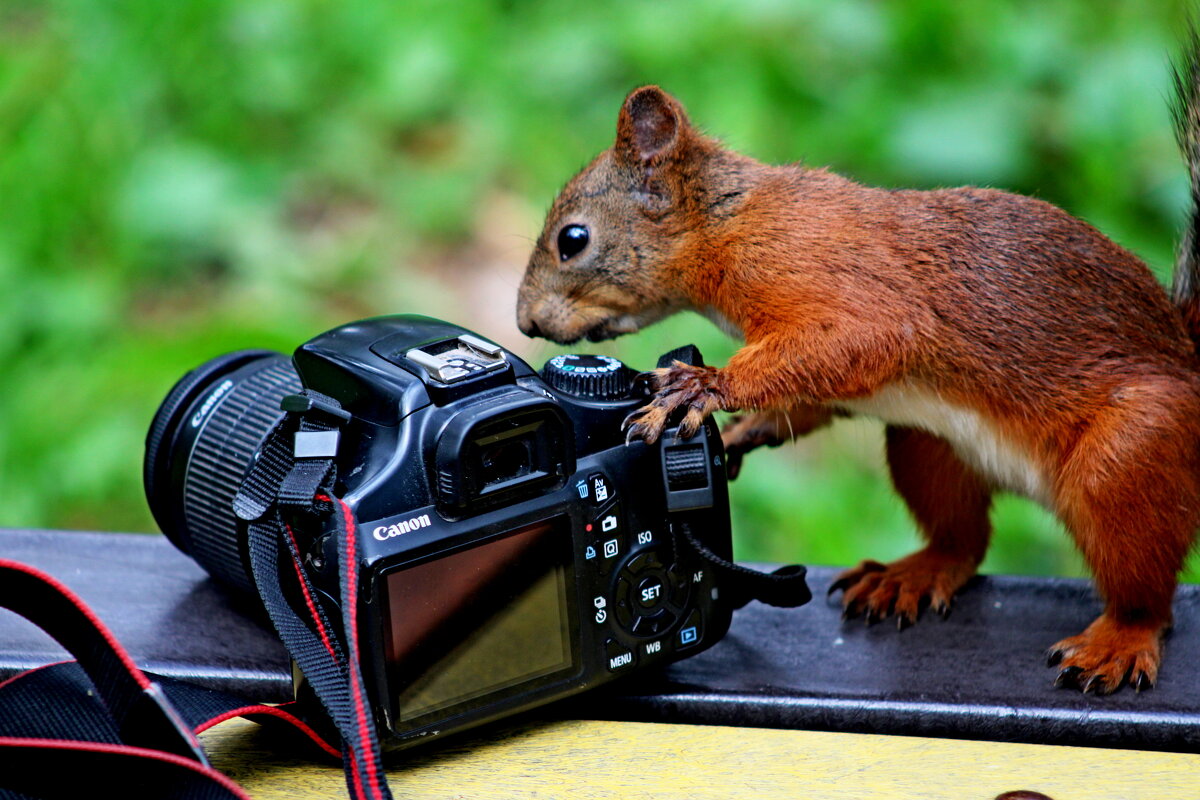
[589, 377]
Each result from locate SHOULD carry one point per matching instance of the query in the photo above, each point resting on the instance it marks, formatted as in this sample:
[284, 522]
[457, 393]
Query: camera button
[624, 614]
[618, 655]
[653, 648]
[643, 562]
[600, 489]
[692, 631]
[654, 624]
[650, 592]
[601, 611]
[624, 611]
[609, 542]
[680, 583]
[610, 551]
[607, 524]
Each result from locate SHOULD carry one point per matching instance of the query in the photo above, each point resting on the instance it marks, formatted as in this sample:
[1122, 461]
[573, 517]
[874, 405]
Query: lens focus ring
[231, 435]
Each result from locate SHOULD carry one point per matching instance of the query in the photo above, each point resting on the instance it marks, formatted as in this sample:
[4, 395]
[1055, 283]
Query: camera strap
[786, 587]
[291, 486]
[99, 720]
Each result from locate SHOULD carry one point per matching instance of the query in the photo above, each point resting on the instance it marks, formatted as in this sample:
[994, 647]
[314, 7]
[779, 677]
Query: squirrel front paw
[677, 386]
[745, 433]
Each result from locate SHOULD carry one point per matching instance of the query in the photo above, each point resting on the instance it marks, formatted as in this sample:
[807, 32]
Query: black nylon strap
[59, 701]
[321, 640]
[313, 643]
[60, 735]
[70, 727]
[135, 703]
[49, 770]
[786, 587]
[278, 477]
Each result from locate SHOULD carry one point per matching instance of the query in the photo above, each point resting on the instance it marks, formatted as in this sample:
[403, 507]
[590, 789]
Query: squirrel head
[605, 263]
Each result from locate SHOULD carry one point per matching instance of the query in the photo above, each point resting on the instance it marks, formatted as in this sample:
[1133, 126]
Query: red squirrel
[1006, 345]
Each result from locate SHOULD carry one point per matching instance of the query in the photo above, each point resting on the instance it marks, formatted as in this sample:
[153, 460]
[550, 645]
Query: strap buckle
[304, 403]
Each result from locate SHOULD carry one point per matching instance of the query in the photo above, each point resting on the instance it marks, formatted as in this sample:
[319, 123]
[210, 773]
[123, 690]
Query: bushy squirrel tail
[1186, 113]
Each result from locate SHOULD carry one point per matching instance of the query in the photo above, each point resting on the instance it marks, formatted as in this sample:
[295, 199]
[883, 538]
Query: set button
[651, 593]
[649, 596]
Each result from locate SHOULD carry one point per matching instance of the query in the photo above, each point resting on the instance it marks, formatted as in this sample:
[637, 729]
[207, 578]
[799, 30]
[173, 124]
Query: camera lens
[203, 439]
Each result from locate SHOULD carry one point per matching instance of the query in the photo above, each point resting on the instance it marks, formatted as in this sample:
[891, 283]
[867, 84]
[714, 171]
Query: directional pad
[648, 596]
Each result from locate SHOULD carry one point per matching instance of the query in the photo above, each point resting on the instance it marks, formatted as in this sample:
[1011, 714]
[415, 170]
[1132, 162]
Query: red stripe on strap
[126, 750]
[351, 611]
[308, 600]
[75, 600]
[277, 713]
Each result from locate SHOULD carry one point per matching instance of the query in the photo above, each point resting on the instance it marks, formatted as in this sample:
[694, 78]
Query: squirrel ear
[649, 125]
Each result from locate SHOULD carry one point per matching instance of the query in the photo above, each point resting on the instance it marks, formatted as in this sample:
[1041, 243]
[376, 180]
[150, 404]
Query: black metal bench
[977, 675]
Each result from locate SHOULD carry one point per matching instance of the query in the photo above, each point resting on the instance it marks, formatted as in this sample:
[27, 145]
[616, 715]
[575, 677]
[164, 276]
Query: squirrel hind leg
[950, 504]
[1129, 493]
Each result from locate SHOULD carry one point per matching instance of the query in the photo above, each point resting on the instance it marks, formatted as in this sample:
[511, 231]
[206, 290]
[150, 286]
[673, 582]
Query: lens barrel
[202, 441]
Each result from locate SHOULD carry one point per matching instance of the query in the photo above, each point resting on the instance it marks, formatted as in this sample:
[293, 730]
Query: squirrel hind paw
[1107, 656]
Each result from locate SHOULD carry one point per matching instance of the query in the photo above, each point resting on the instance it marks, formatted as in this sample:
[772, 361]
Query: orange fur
[1006, 344]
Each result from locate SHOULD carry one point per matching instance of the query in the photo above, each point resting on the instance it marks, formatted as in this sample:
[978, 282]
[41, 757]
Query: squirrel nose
[530, 328]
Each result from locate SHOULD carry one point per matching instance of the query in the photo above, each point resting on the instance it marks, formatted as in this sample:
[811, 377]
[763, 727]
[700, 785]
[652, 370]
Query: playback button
[691, 632]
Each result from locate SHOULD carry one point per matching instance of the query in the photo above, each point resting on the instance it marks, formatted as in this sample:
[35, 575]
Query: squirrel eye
[571, 241]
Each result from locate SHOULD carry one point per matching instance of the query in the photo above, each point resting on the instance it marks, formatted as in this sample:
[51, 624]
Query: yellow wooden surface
[581, 760]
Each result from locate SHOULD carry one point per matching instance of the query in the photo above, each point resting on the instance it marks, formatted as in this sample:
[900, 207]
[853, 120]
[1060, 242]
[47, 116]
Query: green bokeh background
[179, 179]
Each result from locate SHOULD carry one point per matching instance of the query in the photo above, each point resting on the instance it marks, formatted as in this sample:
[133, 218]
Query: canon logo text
[385, 532]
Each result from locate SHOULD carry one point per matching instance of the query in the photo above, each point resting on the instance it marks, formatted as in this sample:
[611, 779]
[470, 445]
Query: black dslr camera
[513, 549]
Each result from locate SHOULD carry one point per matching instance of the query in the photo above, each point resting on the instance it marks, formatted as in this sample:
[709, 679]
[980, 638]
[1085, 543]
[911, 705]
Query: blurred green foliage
[183, 178]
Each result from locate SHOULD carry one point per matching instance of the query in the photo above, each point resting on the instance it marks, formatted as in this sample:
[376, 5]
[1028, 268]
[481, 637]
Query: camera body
[512, 548]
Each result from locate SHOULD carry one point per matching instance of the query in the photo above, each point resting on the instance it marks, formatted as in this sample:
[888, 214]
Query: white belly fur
[973, 438]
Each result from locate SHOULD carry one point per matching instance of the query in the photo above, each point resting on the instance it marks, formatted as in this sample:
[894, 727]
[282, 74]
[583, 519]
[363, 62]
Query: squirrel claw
[631, 419]
[1068, 678]
[839, 584]
[634, 434]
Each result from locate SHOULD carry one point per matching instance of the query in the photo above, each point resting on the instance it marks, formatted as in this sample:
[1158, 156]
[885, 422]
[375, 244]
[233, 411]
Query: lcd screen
[467, 626]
